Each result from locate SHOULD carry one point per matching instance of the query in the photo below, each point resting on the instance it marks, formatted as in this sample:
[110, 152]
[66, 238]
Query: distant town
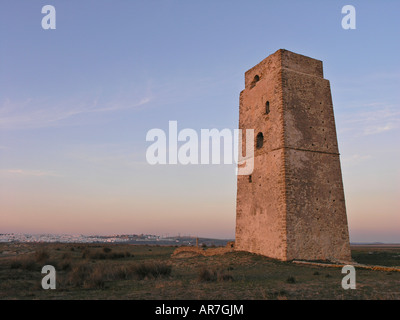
[124, 238]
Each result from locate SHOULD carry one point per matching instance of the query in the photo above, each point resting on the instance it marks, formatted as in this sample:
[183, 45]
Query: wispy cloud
[108, 155]
[377, 129]
[354, 159]
[374, 118]
[31, 173]
[360, 82]
[39, 113]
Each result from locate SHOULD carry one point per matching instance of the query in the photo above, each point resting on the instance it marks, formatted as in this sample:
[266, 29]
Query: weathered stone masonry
[292, 206]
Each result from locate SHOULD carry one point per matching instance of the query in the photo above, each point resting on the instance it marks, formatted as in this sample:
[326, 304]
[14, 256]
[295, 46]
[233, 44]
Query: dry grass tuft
[151, 270]
[206, 275]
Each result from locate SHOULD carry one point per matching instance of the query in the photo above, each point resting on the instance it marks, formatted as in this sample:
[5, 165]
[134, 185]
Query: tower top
[284, 59]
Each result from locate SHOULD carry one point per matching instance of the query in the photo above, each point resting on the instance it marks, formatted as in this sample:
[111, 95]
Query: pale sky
[76, 104]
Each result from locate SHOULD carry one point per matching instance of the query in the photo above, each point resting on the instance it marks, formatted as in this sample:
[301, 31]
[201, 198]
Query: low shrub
[66, 256]
[41, 255]
[16, 264]
[79, 274]
[86, 254]
[206, 275]
[151, 270]
[99, 255]
[65, 265]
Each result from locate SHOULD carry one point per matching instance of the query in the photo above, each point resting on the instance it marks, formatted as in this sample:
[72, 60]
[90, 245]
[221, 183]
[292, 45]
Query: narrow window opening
[260, 140]
[267, 108]
[255, 80]
[250, 179]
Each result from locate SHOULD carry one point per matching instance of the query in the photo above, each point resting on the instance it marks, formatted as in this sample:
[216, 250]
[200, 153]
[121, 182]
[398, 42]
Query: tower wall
[293, 205]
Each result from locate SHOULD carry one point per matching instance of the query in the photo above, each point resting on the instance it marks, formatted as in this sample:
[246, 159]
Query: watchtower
[292, 206]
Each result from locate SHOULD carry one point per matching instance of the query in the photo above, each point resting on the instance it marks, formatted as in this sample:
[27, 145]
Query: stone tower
[292, 206]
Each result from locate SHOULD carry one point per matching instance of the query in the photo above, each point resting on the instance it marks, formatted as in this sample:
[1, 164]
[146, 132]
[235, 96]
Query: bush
[29, 264]
[225, 277]
[107, 250]
[86, 253]
[96, 279]
[97, 255]
[121, 273]
[25, 263]
[206, 275]
[116, 255]
[16, 264]
[291, 279]
[41, 255]
[101, 255]
[95, 276]
[66, 265]
[151, 270]
[79, 274]
[66, 256]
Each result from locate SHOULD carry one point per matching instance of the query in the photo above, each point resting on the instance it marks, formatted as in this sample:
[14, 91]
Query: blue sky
[76, 104]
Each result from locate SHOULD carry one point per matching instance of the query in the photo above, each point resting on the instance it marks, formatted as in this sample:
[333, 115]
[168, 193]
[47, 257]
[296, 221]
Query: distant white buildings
[63, 238]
